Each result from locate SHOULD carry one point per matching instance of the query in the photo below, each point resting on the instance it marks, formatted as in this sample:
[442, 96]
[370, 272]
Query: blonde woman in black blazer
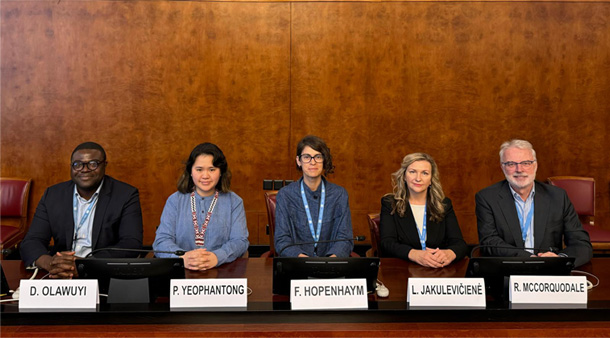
[417, 220]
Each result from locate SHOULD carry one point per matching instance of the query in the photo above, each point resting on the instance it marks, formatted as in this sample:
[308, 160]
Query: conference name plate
[328, 294]
[58, 294]
[217, 292]
[446, 292]
[548, 289]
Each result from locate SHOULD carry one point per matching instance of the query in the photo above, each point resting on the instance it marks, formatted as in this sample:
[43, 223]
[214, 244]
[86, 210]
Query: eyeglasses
[91, 165]
[523, 164]
[306, 158]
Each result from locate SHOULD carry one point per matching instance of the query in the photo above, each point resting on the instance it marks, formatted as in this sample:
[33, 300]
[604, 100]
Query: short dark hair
[89, 145]
[317, 144]
[185, 183]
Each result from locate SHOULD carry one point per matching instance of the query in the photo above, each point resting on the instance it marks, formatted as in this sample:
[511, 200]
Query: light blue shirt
[226, 235]
[524, 208]
[82, 243]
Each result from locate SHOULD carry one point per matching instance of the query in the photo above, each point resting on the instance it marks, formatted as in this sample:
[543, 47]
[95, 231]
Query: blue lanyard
[83, 219]
[422, 234]
[314, 234]
[525, 225]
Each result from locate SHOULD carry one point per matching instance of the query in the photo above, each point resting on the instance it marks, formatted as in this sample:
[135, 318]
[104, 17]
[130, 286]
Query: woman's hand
[445, 256]
[433, 258]
[199, 259]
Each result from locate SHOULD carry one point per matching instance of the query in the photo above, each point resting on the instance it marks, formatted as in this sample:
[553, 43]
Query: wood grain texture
[455, 80]
[376, 80]
[148, 81]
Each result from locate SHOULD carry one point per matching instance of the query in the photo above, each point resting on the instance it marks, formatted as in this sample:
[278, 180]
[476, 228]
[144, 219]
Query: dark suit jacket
[555, 222]
[117, 221]
[399, 234]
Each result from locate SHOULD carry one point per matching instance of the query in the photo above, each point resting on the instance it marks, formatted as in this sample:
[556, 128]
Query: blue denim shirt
[291, 221]
[226, 235]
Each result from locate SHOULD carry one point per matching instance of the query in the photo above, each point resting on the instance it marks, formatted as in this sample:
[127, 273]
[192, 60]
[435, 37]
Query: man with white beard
[534, 218]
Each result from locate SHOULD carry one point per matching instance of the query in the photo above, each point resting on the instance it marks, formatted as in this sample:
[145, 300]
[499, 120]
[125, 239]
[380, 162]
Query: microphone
[177, 252]
[357, 239]
[551, 249]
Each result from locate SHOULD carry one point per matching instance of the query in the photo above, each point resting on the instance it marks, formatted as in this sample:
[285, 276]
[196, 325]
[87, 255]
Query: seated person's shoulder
[447, 201]
[336, 189]
[116, 184]
[557, 194]
[177, 196]
[60, 186]
[289, 190]
[546, 187]
[387, 200]
[233, 197]
[491, 190]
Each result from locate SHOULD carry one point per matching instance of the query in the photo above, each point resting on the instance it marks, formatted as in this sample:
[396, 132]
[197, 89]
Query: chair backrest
[373, 220]
[270, 201]
[14, 194]
[581, 192]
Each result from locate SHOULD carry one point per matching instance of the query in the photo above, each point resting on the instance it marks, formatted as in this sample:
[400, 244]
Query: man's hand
[547, 254]
[59, 266]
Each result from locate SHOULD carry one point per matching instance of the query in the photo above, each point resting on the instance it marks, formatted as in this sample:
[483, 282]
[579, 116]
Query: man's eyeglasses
[306, 158]
[91, 165]
[523, 164]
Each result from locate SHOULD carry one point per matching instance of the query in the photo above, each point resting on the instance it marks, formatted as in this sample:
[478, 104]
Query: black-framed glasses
[306, 158]
[91, 165]
[523, 164]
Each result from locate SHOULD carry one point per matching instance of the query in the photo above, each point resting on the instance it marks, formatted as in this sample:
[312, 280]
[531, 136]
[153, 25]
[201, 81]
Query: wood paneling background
[376, 80]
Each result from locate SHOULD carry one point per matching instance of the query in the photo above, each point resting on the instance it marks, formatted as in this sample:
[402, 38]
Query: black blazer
[399, 234]
[117, 221]
[555, 222]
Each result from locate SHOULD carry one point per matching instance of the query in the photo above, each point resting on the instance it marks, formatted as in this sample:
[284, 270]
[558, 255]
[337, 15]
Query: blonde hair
[434, 197]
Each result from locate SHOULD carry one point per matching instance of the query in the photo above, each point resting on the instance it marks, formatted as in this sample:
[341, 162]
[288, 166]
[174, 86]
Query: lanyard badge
[315, 234]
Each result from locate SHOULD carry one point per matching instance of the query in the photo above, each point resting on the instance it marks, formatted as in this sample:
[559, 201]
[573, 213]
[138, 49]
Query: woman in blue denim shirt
[313, 209]
[204, 218]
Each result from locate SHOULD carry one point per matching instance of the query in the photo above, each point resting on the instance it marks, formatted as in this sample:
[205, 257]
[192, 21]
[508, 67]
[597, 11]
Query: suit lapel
[432, 232]
[408, 226]
[68, 216]
[541, 211]
[507, 204]
[100, 211]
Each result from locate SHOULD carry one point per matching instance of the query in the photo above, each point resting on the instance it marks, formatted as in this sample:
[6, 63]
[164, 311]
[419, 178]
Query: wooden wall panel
[149, 80]
[455, 80]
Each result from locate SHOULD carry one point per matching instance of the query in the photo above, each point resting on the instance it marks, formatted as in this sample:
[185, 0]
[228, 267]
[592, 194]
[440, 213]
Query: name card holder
[446, 292]
[328, 294]
[58, 294]
[548, 289]
[208, 293]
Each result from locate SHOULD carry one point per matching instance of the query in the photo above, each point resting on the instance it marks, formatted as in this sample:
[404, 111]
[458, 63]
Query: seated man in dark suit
[532, 217]
[92, 211]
